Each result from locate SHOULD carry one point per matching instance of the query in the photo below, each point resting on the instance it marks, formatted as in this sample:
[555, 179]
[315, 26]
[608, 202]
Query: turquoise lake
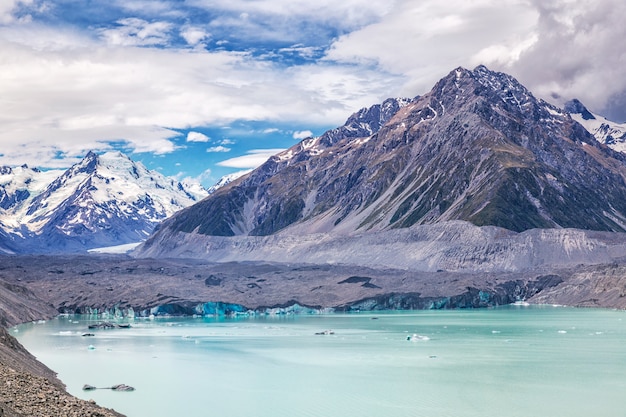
[508, 361]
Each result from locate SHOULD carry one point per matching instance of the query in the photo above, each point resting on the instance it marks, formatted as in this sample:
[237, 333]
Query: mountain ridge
[104, 200]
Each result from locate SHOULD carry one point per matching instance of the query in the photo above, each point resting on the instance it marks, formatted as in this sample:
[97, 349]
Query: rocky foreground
[40, 287]
[28, 388]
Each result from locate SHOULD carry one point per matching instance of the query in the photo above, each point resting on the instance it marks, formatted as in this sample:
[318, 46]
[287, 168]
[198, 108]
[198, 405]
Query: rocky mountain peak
[88, 164]
[574, 106]
[364, 122]
[605, 131]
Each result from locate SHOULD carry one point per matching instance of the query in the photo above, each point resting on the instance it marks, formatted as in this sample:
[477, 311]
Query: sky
[198, 89]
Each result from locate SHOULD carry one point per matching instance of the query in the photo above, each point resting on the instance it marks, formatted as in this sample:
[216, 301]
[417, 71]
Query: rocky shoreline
[41, 287]
[29, 388]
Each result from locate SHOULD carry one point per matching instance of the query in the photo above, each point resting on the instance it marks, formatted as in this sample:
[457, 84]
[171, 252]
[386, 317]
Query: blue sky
[202, 88]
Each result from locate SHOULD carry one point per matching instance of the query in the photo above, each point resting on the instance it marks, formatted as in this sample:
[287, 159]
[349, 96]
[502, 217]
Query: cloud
[204, 177]
[19, 11]
[197, 137]
[291, 20]
[271, 130]
[194, 35]
[159, 8]
[423, 41]
[302, 134]
[227, 141]
[555, 47]
[63, 89]
[252, 159]
[578, 53]
[219, 148]
[132, 31]
[7, 8]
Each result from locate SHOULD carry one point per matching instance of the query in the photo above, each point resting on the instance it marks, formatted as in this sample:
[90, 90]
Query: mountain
[479, 147]
[605, 131]
[104, 200]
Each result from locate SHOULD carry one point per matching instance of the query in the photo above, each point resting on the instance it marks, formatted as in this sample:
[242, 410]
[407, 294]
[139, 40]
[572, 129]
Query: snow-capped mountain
[479, 147]
[19, 184]
[605, 131]
[104, 200]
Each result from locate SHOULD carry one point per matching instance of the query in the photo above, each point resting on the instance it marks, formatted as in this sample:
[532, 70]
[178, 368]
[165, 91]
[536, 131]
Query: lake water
[509, 361]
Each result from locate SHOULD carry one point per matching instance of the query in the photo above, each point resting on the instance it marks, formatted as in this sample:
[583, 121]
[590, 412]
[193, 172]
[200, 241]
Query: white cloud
[218, 148]
[78, 91]
[271, 130]
[197, 137]
[203, 177]
[252, 159]
[6, 10]
[282, 14]
[9, 7]
[302, 134]
[162, 8]
[194, 35]
[301, 50]
[227, 141]
[132, 31]
[579, 53]
[425, 40]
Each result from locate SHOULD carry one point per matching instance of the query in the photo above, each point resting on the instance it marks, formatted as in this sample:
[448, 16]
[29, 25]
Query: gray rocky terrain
[28, 388]
[174, 286]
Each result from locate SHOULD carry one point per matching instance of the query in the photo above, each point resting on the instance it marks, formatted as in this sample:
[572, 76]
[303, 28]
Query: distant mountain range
[104, 200]
[478, 148]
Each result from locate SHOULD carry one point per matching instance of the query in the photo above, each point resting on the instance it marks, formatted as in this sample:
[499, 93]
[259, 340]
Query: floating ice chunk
[417, 338]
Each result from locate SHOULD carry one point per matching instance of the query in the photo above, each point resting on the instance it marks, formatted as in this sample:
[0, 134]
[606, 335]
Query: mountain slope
[479, 147]
[451, 246]
[104, 200]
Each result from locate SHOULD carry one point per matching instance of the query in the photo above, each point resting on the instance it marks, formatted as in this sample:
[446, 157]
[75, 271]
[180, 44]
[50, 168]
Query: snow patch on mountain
[605, 131]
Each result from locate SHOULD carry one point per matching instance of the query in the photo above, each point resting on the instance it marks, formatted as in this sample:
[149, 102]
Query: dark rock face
[506, 293]
[10, 200]
[479, 147]
[576, 107]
